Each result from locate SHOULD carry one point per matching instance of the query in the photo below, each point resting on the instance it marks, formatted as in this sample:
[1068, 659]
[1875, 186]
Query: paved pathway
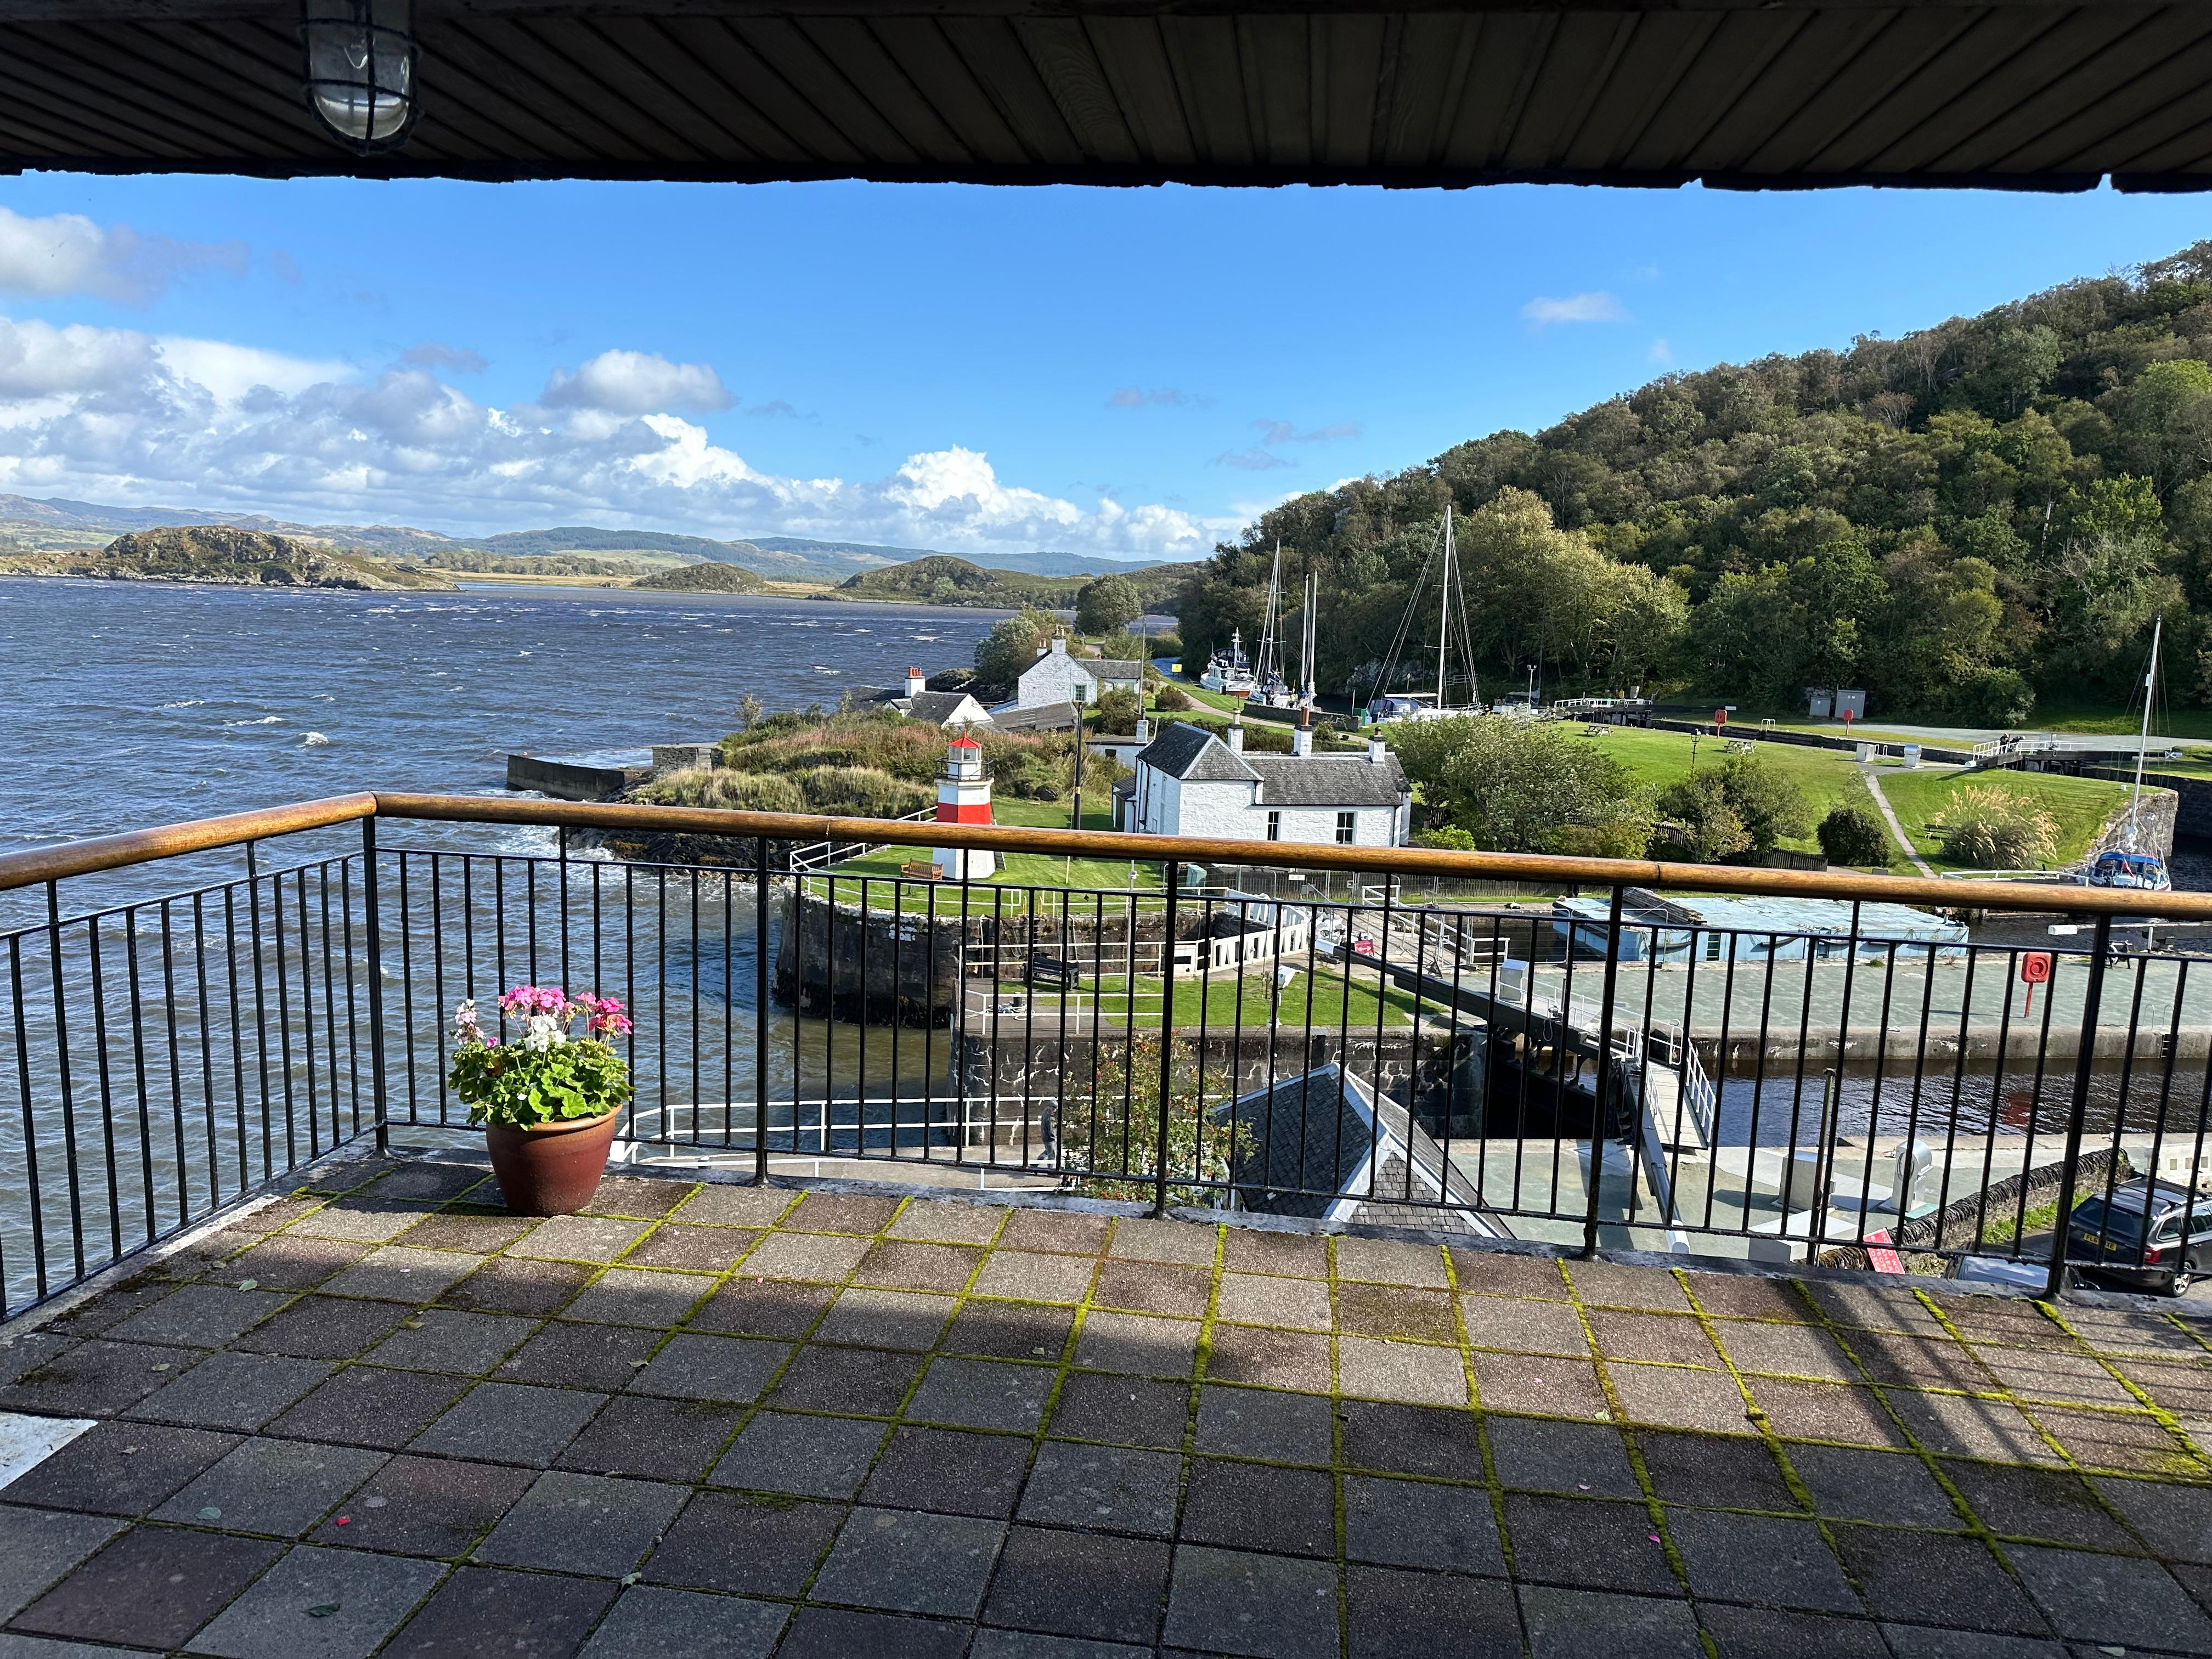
[379, 1417]
[1896, 828]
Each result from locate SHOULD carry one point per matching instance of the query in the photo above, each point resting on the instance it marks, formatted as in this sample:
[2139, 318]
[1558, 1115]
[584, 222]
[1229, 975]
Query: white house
[1056, 676]
[1189, 782]
[943, 708]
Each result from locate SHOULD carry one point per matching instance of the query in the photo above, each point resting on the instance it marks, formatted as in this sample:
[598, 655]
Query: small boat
[1271, 689]
[1230, 672]
[1454, 640]
[2128, 865]
[2143, 872]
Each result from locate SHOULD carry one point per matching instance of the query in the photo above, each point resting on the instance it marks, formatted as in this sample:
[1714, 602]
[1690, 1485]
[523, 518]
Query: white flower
[543, 1032]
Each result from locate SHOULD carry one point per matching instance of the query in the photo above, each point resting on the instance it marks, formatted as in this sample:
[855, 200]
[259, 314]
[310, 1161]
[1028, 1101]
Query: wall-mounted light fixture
[360, 68]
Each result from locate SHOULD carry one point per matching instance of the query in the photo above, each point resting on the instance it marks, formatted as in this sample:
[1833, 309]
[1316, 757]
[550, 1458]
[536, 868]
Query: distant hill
[702, 578]
[225, 554]
[940, 578]
[28, 524]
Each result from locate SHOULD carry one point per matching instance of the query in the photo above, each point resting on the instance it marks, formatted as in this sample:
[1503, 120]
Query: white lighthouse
[964, 796]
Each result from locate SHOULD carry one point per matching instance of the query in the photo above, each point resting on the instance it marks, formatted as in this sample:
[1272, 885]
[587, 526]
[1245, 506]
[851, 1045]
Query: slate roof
[1113, 668]
[1328, 780]
[939, 707]
[1312, 1152]
[1043, 715]
[1196, 755]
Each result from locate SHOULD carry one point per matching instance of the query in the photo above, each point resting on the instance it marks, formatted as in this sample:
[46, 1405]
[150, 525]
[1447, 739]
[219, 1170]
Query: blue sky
[1125, 371]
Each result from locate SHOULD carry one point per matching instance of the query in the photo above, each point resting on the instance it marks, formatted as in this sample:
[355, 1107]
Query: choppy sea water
[130, 704]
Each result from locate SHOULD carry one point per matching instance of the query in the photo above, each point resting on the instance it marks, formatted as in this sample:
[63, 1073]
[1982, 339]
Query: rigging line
[1405, 619]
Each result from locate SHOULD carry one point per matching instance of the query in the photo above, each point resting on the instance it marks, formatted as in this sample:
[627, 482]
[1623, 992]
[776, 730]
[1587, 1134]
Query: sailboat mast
[1312, 635]
[1443, 609]
[2142, 743]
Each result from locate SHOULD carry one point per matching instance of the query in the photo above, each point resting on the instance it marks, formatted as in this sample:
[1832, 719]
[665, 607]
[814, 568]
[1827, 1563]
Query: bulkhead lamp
[360, 68]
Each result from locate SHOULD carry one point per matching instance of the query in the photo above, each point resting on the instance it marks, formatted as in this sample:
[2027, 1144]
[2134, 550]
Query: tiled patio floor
[724, 1422]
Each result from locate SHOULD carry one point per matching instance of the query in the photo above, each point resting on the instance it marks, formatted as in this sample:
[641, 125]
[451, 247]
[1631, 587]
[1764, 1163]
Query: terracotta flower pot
[550, 1169]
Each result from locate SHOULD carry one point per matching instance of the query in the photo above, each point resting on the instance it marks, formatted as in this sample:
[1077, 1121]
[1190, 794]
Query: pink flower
[524, 1000]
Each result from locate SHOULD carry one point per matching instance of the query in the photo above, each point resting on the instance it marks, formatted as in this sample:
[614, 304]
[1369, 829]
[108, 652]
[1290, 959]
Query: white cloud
[118, 415]
[1599, 307]
[67, 253]
[1660, 352]
[1250, 460]
[1168, 397]
[1274, 433]
[636, 383]
[230, 371]
[436, 353]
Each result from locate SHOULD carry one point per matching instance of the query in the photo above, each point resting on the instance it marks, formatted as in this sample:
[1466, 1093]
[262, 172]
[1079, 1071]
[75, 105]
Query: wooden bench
[920, 870]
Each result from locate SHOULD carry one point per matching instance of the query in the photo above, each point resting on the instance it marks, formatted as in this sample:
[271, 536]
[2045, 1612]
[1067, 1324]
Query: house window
[1274, 826]
[1347, 822]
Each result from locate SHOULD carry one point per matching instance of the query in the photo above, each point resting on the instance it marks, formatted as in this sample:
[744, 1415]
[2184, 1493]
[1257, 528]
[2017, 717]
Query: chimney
[1376, 751]
[1302, 739]
[1059, 647]
[1237, 733]
[916, 682]
[1144, 729]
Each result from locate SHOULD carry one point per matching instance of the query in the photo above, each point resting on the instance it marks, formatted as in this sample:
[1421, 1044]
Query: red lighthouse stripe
[973, 812]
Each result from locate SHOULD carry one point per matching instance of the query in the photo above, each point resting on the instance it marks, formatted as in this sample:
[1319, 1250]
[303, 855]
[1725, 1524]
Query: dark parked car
[2133, 1240]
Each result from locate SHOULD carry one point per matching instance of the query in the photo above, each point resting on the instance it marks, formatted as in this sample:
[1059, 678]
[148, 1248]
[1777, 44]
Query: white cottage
[943, 708]
[1189, 782]
[1056, 676]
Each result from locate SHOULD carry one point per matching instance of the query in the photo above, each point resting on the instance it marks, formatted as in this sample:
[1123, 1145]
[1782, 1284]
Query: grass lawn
[1829, 777]
[2082, 806]
[1218, 999]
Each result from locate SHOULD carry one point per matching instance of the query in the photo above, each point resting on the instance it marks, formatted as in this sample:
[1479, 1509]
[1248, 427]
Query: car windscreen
[2098, 1219]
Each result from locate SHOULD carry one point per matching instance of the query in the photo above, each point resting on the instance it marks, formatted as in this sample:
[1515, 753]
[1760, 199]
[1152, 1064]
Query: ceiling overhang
[1753, 95]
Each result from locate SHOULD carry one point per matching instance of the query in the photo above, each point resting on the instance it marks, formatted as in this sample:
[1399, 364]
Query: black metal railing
[1878, 1087]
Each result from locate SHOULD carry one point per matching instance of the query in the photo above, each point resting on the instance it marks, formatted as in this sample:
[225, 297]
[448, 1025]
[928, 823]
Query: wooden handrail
[82, 858]
[2061, 898]
[144, 846]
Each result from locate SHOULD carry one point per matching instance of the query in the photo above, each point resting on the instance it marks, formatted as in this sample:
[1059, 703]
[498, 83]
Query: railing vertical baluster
[560, 847]
[2077, 1113]
[406, 984]
[372, 926]
[1173, 871]
[237, 1030]
[729, 985]
[260, 1007]
[694, 980]
[207, 1051]
[176, 1064]
[284, 1021]
[30, 1126]
[96, 954]
[134, 980]
[353, 994]
[62, 1063]
[1604, 1069]
[330, 994]
[760, 1011]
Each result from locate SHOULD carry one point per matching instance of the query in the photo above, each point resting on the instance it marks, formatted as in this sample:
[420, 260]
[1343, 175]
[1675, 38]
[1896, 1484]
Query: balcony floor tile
[829, 1422]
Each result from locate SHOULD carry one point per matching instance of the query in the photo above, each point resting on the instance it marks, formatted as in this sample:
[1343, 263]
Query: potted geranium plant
[550, 1098]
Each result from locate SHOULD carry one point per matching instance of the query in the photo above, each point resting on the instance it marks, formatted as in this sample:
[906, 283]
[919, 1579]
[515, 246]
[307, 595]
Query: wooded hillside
[1957, 520]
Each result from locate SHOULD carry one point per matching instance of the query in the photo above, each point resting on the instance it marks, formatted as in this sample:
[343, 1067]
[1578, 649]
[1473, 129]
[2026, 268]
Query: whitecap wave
[189, 703]
[314, 740]
[266, 719]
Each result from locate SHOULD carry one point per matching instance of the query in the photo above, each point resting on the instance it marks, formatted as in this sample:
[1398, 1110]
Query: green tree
[1517, 785]
[1012, 646]
[1108, 605]
[1118, 711]
[1853, 836]
[1746, 805]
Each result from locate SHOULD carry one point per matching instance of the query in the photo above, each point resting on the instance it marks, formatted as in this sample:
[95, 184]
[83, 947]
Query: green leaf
[322, 1610]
